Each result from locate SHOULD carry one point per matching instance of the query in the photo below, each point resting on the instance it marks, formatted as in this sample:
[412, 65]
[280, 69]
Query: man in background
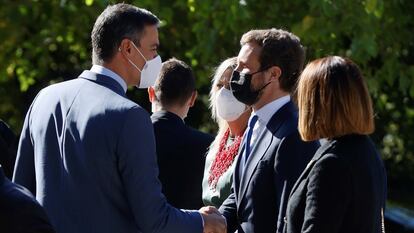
[180, 149]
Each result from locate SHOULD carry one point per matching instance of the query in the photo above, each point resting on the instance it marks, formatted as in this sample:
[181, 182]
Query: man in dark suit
[19, 211]
[181, 150]
[88, 152]
[272, 155]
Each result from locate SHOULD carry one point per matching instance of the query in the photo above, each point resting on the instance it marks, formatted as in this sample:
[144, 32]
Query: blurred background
[44, 42]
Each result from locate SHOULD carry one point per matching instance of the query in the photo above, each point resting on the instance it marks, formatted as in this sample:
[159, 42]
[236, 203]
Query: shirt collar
[107, 72]
[267, 111]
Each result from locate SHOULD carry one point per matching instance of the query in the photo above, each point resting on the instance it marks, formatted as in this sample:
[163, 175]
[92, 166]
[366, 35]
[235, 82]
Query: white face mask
[228, 107]
[150, 71]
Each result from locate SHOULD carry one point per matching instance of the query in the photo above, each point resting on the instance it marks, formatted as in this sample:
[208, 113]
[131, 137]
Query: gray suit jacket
[88, 155]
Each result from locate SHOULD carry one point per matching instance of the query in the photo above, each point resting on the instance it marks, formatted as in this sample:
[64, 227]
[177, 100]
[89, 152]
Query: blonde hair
[333, 100]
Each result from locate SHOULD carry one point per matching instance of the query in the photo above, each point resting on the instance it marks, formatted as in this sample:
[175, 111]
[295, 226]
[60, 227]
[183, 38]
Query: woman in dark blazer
[343, 188]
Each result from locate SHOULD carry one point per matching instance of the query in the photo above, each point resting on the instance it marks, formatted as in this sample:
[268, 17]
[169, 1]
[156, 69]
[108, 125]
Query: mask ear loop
[139, 51]
[247, 109]
[136, 67]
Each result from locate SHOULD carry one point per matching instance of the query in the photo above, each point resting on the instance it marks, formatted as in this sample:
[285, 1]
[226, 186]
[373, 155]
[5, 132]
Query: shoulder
[16, 198]
[352, 147]
[199, 136]
[330, 172]
[21, 211]
[284, 122]
[293, 154]
[64, 86]
[331, 165]
[134, 113]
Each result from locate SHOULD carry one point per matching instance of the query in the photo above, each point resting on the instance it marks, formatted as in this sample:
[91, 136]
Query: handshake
[214, 222]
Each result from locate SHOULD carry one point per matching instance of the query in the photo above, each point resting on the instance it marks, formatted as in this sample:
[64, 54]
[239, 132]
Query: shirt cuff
[202, 219]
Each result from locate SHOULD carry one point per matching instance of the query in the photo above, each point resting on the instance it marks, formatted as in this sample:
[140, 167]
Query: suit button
[285, 219]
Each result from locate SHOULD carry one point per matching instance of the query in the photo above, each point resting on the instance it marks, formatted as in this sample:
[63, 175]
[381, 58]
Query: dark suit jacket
[8, 147]
[19, 211]
[88, 153]
[342, 190]
[259, 197]
[181, 153]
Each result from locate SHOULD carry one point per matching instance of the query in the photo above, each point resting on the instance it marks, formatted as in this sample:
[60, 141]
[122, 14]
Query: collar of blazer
[103, 80]
[166, 115]
[267, 141]
[319, 154]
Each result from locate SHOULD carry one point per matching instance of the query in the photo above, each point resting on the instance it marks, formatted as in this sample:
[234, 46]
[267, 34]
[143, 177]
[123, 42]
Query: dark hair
[279, 48]
[116, 23]
[175, 83]
[333, 100]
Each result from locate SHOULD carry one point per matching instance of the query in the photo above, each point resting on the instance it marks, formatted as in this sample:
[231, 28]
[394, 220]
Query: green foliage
[44, 42]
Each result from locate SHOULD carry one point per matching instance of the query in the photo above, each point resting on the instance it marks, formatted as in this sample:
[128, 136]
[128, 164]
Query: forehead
[249, 54]
[150, 35]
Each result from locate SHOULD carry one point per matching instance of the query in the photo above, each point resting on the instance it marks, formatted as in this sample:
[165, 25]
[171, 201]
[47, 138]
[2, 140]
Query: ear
[275, 72]
[126, 47]
[193, 98]
[151, 94]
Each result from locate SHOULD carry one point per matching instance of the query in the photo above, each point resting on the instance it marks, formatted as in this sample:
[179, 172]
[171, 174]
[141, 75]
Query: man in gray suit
[88, 153]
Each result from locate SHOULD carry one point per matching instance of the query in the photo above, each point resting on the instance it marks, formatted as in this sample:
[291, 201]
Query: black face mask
[240, 86]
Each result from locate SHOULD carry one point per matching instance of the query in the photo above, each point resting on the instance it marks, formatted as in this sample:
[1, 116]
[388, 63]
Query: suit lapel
[257, 153]
[319, 153]
[263, 142]
[236, 172]
[103, 80]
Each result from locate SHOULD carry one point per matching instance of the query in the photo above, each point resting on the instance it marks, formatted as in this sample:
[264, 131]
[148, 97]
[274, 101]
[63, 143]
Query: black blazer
[259, 196]
[19, 211]
[181, 154]
[342, 189]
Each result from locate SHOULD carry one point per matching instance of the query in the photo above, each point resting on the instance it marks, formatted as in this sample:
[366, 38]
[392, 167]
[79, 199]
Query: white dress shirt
[107, 72]
[264, 114]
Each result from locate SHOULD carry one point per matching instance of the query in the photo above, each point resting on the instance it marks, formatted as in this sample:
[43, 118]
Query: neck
[268, 97]
[177, 110]
[114, 67]
[238, 126]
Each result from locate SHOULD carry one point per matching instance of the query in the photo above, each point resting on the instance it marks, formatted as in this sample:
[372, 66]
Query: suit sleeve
[327, 197]
[139, 173]
[24, 170]
[229, 210]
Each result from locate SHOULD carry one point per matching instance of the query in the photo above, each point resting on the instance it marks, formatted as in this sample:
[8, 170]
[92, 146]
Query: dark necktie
[249, 136]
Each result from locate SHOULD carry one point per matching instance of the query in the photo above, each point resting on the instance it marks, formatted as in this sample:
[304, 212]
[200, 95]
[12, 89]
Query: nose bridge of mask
[235, 78]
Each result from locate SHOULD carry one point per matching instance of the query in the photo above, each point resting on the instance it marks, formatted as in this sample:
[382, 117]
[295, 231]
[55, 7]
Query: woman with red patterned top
[231, 117]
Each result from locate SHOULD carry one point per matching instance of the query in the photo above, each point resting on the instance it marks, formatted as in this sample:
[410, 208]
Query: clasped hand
[214, 222]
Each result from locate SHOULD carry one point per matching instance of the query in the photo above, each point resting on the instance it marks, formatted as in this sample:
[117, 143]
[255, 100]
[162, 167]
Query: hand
[214, 222]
